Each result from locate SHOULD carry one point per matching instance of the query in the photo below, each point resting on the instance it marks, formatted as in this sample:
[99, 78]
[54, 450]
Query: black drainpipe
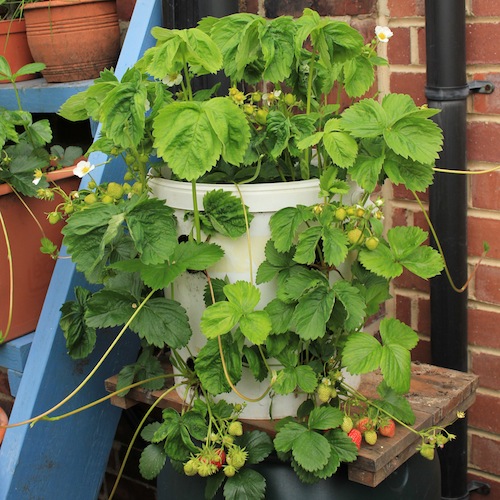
[447, 89]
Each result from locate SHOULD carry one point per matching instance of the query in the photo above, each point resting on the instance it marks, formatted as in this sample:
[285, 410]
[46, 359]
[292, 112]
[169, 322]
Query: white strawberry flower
[172, 79]
[83, 168]
[383, 33]
[37, 176]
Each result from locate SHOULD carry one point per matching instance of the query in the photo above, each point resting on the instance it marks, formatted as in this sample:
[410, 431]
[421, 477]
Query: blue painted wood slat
[67, 459]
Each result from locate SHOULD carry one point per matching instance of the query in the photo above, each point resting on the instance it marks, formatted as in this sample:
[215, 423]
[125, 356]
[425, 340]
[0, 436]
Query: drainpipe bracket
[479, 487]
[481, 87]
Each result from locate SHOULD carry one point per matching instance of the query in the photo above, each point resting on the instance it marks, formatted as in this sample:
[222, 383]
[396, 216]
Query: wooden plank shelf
[38, 96]
[436, 395]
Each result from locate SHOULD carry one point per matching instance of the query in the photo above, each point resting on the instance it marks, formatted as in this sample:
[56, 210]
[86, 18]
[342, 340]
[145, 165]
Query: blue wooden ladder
[66, 459]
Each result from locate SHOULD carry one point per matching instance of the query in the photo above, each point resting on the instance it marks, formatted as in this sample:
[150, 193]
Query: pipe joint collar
[447, 93]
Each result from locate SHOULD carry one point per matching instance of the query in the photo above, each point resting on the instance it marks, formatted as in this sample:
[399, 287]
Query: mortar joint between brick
[484, 434]
[492, 393]
[406, 22]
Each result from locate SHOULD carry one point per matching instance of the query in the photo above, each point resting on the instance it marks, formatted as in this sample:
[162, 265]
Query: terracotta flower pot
[76, 39]
[14, 46]
[4, 420]
[32, 270]
[125, 8]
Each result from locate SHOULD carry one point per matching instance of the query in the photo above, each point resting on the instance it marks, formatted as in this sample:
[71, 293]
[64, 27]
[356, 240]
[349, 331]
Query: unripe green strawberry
[355, 236]
[115, 190]
[261, 116]
[128, 176]
[324, 393]
[107, 199]
[54, 217]
[371, 243]
[206, 469]
[191, 467]
[256, 97]
[236, 457]
[347, 424]
[229, 471]
[360, 212]
[289, 99]
[370, 437]
[340, 213]
[427, 451]
[92, 184]
[137, 188]
[355, 435]
[248, 109]
[69, 208]
[227, 440]
[90, 199]
[235, 428]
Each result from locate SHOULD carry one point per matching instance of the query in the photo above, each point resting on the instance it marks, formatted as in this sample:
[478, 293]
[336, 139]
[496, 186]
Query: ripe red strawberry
[388, 428]
[219, 458]
[364, 424]
[356, 437]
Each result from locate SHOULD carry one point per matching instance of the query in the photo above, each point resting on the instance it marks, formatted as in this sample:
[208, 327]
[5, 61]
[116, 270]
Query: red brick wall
[406, 53]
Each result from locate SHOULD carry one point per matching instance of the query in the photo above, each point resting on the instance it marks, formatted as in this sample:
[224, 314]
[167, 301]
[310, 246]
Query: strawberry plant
[329, 263]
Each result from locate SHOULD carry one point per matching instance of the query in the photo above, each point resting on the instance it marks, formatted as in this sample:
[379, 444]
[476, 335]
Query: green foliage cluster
[25, 143]
[331, 262]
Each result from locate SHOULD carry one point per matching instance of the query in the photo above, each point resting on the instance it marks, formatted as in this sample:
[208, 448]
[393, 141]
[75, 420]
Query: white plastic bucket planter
[263, 200]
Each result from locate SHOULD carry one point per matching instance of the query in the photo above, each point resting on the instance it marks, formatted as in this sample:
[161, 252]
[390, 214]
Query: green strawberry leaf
[353, 303]
[307, 245]
[341, 146]
[398, 339]
[395, 404]
[278, 133]
[277, 40]
[312, 313]
[364, 119]
[306, 378]
[184, 137]
[366, 170]
[287, 436]
[404, 251]
[311, 450]
[275, 263]
[219, 318]
[162, 322]
[286, 381]
[153, 458]
[342, 445]
[362, 353]
[257, 444]
[80, 337]
[208, 365]
[284, 225]
[335, 243]
[325, 417]
[248, 483]
[256, 326]
[226, 213]
[231, 126]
